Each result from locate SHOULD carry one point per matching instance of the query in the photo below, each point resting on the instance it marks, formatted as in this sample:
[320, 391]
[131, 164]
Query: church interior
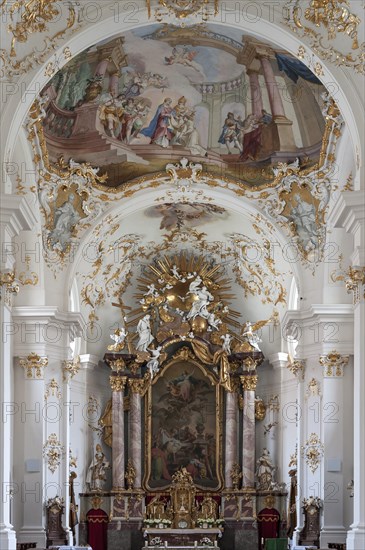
[182, 275]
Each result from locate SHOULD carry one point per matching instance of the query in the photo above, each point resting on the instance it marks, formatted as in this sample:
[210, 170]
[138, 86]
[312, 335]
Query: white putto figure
[252, 337]
[144, 333]
[153, 364]
[226, 344]
[119, 335]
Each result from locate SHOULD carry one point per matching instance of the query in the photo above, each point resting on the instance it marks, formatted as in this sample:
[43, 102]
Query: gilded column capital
[33, 366]
[297, 367]
[70, 368]
[117, 383]
[355, 283]
[333, 364]
[117, 365]
[249, 382]
[138, 385]
[8, 286]
[250, 364]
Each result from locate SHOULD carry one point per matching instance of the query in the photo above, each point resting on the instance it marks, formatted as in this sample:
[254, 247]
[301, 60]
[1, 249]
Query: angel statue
[249, 333]
[226, 344]
[144, 333]
[153, 364]
[119, 337]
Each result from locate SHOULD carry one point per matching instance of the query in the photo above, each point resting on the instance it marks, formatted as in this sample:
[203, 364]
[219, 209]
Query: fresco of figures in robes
[160, 93]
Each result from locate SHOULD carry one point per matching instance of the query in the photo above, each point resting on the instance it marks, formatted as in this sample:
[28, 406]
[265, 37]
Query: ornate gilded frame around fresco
[185, 363]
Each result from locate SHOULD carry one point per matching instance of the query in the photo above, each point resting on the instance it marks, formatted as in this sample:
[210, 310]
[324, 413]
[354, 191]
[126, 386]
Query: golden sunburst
[166, 292]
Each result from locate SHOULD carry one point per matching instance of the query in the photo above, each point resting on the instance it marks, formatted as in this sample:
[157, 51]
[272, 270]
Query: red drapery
[268, 521]
[97, 529]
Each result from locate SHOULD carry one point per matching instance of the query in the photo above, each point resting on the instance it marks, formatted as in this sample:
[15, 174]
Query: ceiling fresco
[153, 95]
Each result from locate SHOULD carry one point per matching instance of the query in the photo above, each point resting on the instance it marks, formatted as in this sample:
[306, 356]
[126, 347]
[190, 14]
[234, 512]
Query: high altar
[181, 422]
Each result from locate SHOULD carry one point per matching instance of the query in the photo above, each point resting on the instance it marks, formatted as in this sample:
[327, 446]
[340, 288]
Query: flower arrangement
[157, 521]
[150, 522]
[209, 522]
[205, 541]
[156, 541]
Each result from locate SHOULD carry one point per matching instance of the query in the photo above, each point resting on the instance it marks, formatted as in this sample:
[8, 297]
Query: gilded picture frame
[183, 419]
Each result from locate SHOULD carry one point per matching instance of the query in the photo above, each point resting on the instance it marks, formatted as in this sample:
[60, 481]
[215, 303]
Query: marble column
[231, 436]
[256, 97]
[276, 104]
[114, 84]
[334, 366]
[248, 441]
[356, 283]
[285, 136]
[101, 68]
[135, 427]
[117, 384]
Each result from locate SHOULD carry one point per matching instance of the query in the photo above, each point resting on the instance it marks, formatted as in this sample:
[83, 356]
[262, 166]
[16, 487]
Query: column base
[296, 535]
[7, 538]
[33, 534]
[332, 534]
[283, 134]
[356, 539]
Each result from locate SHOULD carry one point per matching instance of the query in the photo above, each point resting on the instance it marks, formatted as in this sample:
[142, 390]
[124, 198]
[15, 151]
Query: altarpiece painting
[183, 426]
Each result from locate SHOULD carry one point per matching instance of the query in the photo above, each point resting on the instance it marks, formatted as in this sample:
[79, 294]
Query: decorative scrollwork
[33, 366]
[8, 285]
[32, 17]
[333, 364]
[71, 368]
[313, 451]
[297, 366]
[52, 452]
[182, 9]
[307, 18]
[355, 283]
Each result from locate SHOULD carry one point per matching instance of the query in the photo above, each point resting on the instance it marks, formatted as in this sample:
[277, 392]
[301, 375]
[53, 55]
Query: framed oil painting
[183, 426]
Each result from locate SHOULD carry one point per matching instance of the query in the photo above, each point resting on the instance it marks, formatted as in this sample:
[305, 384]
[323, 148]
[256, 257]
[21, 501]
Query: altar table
[183, 538]
[276, 544]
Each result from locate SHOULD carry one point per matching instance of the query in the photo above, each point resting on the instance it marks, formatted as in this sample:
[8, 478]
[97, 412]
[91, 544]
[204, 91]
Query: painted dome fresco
[154, 94]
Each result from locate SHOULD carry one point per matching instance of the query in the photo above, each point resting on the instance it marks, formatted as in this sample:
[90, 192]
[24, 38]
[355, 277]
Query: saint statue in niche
[96, 474]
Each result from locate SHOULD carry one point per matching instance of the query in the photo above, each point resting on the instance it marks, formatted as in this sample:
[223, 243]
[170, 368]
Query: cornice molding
[320, 313]
[16, 214]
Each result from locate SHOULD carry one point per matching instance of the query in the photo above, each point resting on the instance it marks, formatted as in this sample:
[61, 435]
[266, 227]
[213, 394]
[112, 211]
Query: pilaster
[334, 367]
[15, 216]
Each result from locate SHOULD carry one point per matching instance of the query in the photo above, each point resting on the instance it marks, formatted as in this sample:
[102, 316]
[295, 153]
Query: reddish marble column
[135, 428]
[114, 84]
[256, 97]
[101, 68]
[276, 104]
[117, 384]
[231, 437]
[248, 441]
